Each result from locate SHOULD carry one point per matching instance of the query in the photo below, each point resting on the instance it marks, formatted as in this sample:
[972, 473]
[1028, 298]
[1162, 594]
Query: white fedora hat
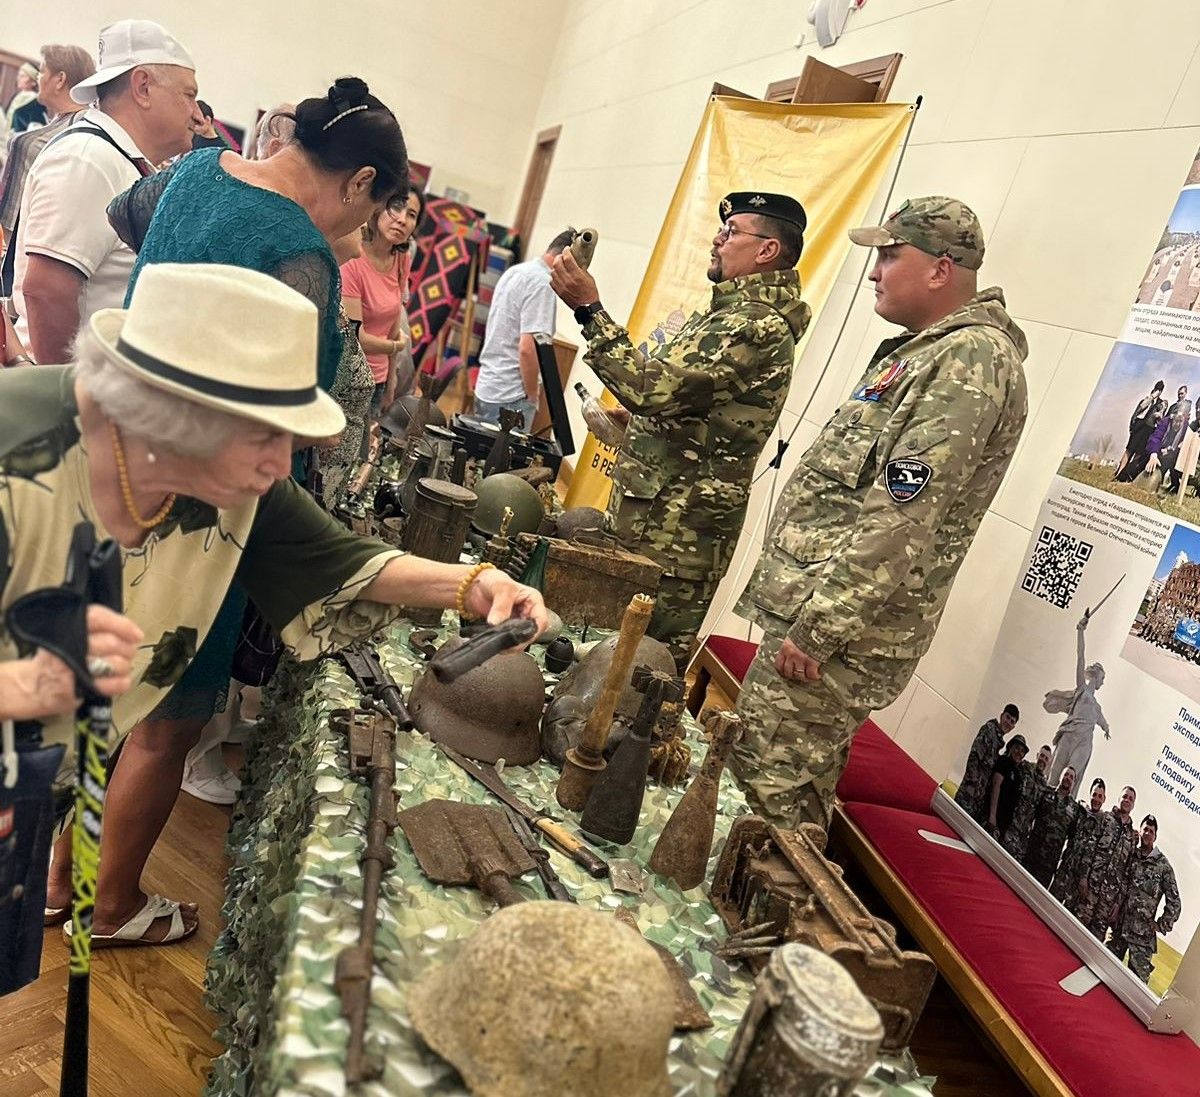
[123, 46]
[225, 337]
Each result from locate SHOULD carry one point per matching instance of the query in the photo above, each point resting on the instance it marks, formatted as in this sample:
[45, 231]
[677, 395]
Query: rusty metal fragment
[779, 884]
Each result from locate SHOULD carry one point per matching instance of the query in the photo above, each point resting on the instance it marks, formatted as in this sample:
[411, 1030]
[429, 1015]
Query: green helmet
[503, 489]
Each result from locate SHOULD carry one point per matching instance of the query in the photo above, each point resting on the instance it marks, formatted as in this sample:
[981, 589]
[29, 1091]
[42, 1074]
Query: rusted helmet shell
[574, 520]
[489, 713]
[399, 416]
[546, 999]
[579, 688]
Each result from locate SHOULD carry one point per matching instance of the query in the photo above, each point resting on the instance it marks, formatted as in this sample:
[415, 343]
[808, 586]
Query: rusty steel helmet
[397, 419]
[546, 999]
[489, 713]
[503, 489]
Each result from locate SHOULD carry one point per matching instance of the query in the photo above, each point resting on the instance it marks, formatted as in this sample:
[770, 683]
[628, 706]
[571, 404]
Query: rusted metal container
[781, 882]
[589, 584]
[809, 1031]
[436, 529]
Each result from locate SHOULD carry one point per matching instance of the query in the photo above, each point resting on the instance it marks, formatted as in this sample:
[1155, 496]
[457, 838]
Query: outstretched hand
[497, 597]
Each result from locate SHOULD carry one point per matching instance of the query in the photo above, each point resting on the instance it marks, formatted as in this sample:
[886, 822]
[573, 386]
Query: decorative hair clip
[338, 117]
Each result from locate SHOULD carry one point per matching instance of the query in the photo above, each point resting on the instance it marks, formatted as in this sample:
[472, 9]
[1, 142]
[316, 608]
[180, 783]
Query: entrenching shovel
[467, 844]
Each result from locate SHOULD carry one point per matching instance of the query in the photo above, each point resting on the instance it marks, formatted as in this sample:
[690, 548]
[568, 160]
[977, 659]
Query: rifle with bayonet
[563, 839]
[555, 888]
[371, 745]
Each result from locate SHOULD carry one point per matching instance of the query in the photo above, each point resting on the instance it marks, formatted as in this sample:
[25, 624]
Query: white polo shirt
[63, 214]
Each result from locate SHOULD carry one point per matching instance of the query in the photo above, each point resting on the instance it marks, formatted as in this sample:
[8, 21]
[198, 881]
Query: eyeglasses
[729, 231]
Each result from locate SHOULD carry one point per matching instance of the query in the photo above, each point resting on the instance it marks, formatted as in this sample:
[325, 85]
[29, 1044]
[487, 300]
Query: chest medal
[882, 381]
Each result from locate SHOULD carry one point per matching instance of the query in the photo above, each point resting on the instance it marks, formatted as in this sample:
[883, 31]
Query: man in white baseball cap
[66, 261]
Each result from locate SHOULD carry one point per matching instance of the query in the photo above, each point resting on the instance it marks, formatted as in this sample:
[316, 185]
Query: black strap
[8, 268]
[210, 386]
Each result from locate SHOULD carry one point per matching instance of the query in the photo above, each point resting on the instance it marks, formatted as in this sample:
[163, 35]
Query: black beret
[780, 206]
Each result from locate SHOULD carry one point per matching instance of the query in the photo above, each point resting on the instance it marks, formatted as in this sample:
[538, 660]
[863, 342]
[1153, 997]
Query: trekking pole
[96, 570]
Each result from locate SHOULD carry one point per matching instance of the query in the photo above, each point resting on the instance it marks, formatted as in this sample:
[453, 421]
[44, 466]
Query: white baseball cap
[125, 45]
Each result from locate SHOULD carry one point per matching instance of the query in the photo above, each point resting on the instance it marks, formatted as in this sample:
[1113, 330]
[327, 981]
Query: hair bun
[347, 92]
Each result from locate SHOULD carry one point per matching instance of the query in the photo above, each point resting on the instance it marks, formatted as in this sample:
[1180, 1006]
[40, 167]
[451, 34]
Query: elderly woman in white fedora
[172, 432]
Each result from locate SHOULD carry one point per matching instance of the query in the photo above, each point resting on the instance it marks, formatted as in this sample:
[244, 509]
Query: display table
[292, 903]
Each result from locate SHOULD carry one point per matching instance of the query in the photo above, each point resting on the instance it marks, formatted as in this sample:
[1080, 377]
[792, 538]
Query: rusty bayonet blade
[575, 848]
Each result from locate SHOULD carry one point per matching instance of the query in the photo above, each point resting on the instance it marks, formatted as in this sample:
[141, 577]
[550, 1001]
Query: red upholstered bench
[723, 660]
[880, 772]
[996, 954]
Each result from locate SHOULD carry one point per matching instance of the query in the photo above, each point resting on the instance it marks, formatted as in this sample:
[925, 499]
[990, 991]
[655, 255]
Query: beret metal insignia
[757, 200]
[726, 206]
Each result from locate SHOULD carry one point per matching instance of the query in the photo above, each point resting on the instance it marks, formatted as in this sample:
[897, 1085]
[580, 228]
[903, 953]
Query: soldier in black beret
[702, 404]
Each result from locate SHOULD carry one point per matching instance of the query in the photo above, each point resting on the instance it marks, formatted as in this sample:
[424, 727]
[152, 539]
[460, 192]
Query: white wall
[464, 77]
[1068, 128]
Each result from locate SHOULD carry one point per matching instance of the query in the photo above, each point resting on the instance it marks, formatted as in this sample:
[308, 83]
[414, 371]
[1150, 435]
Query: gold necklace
[127, 491]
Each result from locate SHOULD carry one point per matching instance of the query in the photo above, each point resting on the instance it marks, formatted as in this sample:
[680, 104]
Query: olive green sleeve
[303, 570]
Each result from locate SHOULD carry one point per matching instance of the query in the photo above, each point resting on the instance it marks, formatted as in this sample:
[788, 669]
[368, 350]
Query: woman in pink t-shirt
[375, 292]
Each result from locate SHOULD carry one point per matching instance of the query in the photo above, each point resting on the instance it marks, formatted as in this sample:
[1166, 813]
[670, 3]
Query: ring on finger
[100, 668]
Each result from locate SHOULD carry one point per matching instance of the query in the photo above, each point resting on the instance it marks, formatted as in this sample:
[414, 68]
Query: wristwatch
[584, 314]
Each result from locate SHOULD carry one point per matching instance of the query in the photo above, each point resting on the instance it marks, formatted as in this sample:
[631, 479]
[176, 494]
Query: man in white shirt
[69, 263]
[522, 305]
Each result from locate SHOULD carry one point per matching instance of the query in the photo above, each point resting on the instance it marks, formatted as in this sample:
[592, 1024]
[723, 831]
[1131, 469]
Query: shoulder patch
[906, 479]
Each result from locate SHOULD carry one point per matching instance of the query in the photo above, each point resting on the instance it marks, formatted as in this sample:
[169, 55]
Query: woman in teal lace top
[276, 216]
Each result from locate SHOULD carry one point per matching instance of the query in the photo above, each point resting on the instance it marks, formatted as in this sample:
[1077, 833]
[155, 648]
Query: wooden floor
[151, 1035]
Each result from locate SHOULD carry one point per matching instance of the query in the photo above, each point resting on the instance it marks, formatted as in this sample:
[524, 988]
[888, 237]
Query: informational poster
[1099, 650]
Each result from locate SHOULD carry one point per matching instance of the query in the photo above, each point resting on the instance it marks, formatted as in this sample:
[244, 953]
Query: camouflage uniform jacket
[1110, 865]
[1081, 849]
[974, 793]
[873, 525]
[703, 407]
[1151, 879]
[1052, 823]
[1030, 791]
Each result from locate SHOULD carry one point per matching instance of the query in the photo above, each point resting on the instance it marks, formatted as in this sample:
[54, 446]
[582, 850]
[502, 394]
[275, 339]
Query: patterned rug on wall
[449, 237]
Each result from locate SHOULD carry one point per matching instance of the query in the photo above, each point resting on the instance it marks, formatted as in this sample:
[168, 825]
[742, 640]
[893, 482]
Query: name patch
[906, 479]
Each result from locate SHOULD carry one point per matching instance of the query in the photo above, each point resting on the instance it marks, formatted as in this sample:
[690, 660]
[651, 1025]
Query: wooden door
[822, 83]
[535, 185]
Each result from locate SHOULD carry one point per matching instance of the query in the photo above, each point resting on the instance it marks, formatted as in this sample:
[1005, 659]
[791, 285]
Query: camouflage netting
[293, 899]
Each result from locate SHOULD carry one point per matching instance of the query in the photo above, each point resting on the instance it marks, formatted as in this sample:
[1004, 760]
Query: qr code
[1056, 567]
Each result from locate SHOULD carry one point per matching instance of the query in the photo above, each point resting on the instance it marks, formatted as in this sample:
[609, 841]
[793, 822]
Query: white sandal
[133, 932]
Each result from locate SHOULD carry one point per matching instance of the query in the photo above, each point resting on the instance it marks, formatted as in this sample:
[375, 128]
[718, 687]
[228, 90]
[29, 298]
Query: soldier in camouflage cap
[873, 525]
[703, 404]
[1151, 881]
[935, 225]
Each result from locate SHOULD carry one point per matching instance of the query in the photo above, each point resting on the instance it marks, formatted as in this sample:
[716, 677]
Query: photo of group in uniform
[1139, 437]
[1172, 279]
[1104, 866]
[1164, 639]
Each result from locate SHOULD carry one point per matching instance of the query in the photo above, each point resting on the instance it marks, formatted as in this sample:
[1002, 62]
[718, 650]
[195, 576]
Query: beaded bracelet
[461, 597]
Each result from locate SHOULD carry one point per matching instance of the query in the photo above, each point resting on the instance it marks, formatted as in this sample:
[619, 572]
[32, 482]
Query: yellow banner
[831, 157]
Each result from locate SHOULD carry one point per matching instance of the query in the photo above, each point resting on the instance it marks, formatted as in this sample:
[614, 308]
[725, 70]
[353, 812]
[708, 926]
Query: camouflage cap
[936, 225]
[1017, 741]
